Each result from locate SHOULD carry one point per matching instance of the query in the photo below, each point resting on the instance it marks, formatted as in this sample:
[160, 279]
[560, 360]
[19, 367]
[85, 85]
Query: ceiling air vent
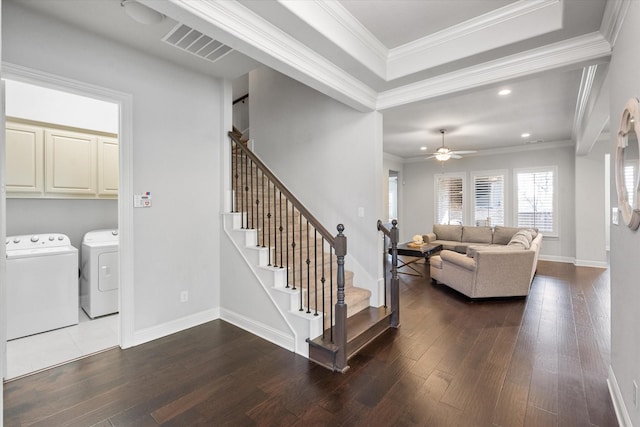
[186, 38]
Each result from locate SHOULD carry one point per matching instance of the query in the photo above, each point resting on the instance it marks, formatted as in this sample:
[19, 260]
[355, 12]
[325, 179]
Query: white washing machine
[42, 284]
[99, 273]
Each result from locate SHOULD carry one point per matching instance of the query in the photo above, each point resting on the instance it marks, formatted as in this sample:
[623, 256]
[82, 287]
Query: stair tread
[357, 324]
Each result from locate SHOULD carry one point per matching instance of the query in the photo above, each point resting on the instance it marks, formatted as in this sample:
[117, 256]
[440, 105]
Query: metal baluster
[275, 234]
[308, 273]
[301, 279]
[323, 280]
[286, 214]
[280, 228]
[293, 248]
[234, 176]
[245, 189]
[331, 294]
[251, 200]
[315, 268]
[257, 202]
[263, 203]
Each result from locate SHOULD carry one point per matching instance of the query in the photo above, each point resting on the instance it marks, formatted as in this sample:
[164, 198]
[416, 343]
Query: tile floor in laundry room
[36, 352]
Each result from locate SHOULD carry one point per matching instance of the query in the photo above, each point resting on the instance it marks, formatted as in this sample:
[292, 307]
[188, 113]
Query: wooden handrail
[281, 187]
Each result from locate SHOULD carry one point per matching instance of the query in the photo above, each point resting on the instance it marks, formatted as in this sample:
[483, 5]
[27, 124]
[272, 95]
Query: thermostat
[142, 200]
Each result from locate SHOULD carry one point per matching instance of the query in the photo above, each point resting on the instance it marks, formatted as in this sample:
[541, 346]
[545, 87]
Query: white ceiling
[426, 65]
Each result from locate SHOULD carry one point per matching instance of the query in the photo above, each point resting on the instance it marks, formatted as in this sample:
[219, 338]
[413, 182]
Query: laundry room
[62, 226]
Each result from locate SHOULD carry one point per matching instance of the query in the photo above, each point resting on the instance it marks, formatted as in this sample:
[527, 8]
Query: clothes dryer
[42, 284]
[99, 273]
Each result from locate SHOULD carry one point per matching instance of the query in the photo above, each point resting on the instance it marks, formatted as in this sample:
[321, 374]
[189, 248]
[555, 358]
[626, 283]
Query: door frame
[125, 196]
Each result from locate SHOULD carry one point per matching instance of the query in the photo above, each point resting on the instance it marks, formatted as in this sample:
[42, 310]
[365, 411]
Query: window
[630, 179]
[449, 199]
[488, 198]
[536, 197]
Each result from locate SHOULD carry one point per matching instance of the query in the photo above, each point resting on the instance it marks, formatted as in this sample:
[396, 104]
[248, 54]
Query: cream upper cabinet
[51, 161]
[108, 170]
[24, 150]
[70, 162]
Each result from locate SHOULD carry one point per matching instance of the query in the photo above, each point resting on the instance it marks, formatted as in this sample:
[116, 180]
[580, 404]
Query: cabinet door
[24, 145]
[108, 170]
[70, 162]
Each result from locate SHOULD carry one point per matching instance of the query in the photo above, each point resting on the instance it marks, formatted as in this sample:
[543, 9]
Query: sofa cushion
[448, 232]
[476, 234]
[522, 237]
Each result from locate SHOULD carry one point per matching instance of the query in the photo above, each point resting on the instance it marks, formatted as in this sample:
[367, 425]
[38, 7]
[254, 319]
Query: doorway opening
[62, 183]
[393, 195]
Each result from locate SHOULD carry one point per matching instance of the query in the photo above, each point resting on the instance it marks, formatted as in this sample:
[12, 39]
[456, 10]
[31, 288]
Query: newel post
[341, 306]
[395, 282]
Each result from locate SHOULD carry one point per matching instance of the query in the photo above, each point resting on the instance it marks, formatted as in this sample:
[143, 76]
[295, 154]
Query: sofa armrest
[460, 260]
[429, 237]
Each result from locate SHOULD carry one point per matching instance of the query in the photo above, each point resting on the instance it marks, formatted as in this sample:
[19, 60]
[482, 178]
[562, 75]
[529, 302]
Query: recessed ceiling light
[525, 135]
[423, 148]
[504, 92]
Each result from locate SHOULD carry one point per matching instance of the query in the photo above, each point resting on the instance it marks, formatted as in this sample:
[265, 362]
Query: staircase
[302, 265]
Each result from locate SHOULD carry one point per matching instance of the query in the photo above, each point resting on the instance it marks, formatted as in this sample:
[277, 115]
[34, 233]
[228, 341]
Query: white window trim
[465, 194]
[506, 201]
[556, 207]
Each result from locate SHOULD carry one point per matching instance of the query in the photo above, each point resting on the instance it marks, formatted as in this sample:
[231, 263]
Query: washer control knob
[60, 238]
[114, 232]
[51, 238]
[7, 242]
[35, 238]
[16, 240]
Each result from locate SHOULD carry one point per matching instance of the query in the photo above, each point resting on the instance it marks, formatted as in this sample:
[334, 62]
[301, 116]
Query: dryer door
[108, 271]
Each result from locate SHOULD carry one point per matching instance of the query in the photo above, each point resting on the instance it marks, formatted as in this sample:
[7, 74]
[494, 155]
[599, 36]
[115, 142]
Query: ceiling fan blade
[433, 156]
[455, 155]
[464, 151]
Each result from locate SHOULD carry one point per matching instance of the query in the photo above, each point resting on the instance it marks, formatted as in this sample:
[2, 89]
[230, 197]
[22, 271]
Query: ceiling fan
[445, 153]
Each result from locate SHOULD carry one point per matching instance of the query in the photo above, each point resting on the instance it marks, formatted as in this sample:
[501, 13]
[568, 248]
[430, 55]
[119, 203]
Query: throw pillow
[522, 237]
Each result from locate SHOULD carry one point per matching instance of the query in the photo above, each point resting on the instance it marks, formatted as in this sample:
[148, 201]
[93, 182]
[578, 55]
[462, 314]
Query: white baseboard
[555, 258]
[159, 331]
[591, 263]
[260, 329]
[618, 403]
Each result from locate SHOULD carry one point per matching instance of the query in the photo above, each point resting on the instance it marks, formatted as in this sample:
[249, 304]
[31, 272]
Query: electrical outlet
[635, 394]
[184, 296]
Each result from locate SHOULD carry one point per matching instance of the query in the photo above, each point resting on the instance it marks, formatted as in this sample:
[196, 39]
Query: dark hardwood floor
[539, 361]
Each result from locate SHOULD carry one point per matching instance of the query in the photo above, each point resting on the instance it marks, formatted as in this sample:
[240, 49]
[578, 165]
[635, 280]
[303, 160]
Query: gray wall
[328, 154]
[591, 207]
[177, 134]
[71, 217]
[418, 196]
[625, 244]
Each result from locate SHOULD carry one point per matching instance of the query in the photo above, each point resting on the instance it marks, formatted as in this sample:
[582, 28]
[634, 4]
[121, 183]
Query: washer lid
[38, 242]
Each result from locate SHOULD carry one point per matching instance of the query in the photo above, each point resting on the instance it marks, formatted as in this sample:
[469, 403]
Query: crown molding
[509, 24]
[614, 14]
[245, 31]
[569, 52]
[336, 24]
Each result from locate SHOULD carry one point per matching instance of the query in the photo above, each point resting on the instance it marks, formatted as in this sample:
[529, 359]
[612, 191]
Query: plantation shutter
[536, 200]
[449, 200]
[488, 200]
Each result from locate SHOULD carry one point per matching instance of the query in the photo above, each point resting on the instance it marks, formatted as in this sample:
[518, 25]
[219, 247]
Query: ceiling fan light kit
[443, 153]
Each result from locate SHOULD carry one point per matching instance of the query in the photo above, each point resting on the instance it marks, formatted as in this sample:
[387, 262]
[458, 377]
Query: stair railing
[295, 238]
[393, 234]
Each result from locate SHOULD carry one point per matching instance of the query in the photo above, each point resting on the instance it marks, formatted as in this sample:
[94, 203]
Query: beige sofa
[500, 266]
